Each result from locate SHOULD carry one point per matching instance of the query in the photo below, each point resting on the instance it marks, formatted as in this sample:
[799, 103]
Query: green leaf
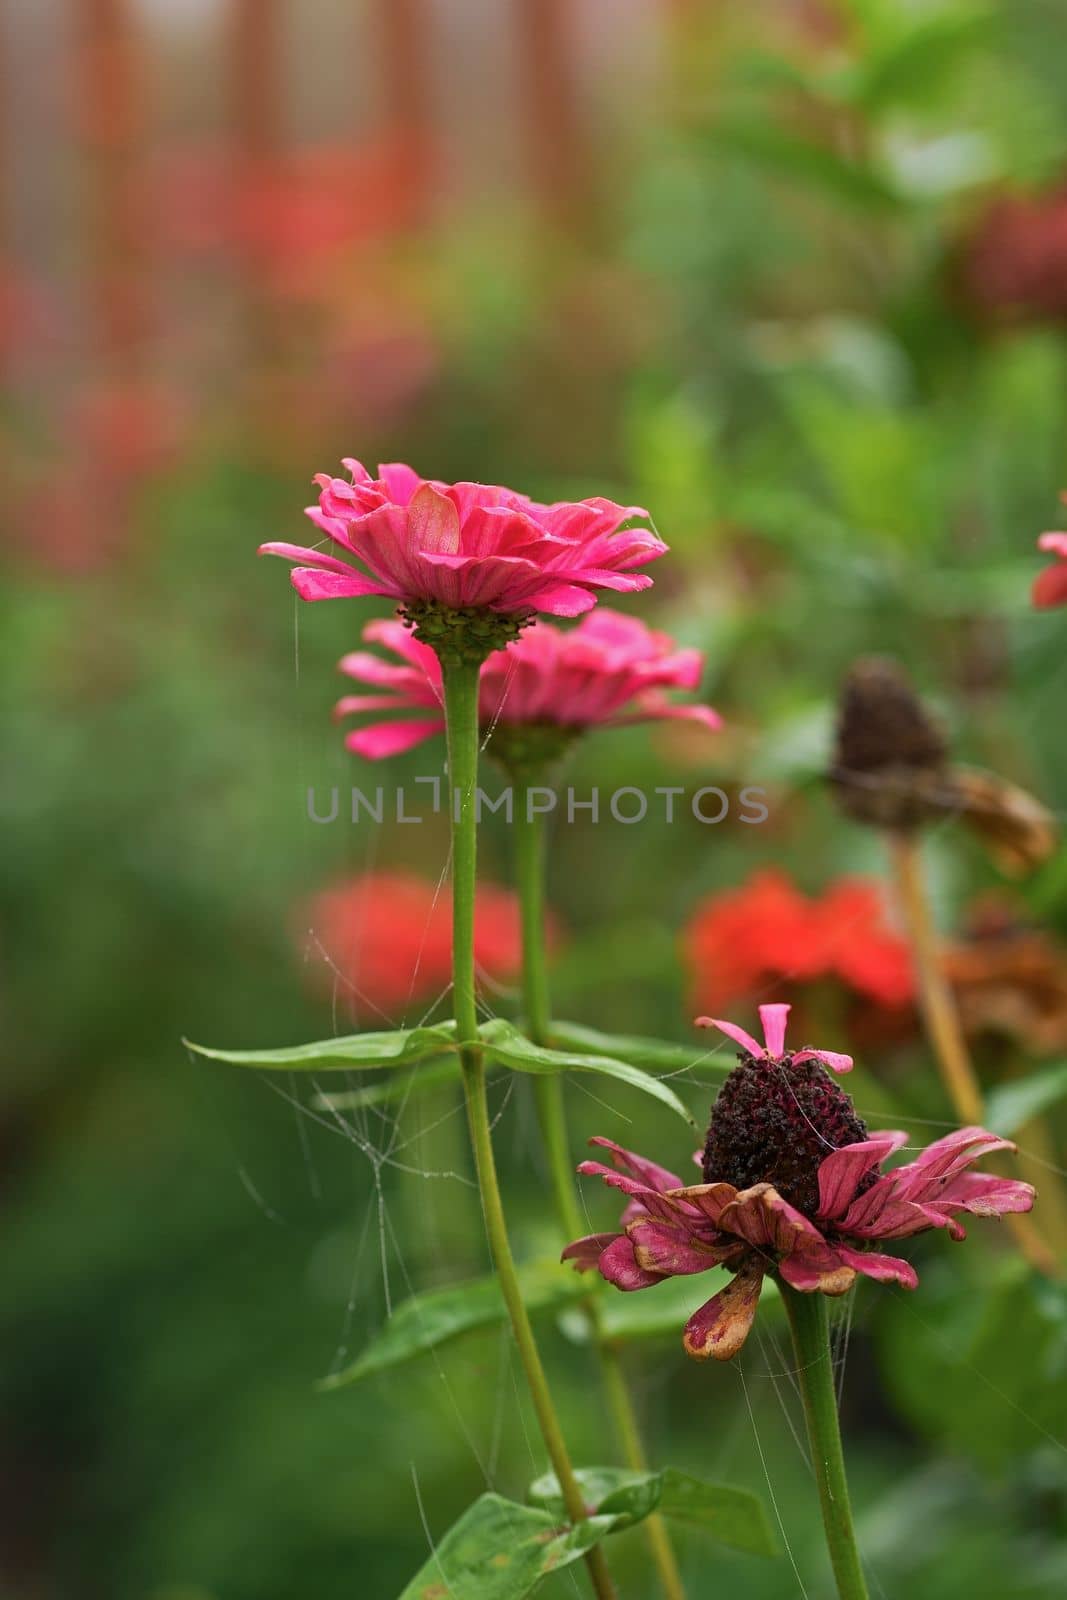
[505, 1043]
[912, 70]
[731, 1516]
[355, 1051]
[653, 1055]
[1012, 1104]
[979, 1362]
[427, 1321]
[499, 1550]
[403, 1086]
[786, 156]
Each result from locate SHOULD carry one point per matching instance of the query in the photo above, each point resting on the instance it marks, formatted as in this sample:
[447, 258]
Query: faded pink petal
[984, 1195]
[817, 1270]
[720, 1327]
[760, 1216]
[618, 1264]
[732, 1031]
[670, 1248]
[884, 1269]
[924, 1177]
[585, 1253]
[829, 1058]
[710, 1198]
[653, 1200]
[773, 1018]
[647, 1172]
[842, 1171]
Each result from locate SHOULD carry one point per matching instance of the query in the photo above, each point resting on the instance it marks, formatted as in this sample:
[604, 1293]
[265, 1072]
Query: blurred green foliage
[765, 341]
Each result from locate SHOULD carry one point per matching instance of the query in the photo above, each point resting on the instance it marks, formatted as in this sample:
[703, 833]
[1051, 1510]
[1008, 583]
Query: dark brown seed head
[774, 1122]
[889, 762]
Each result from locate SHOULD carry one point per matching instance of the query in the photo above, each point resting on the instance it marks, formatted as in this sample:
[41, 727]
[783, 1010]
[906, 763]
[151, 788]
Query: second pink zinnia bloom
[608, 671]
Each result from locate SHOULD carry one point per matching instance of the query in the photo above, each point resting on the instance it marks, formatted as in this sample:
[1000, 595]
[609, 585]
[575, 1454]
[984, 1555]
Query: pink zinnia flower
[466, 545]
[773, 1201]
[1050, 586]
[608, 671]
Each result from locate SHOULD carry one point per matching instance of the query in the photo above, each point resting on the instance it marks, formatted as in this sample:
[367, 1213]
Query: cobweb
[389, 1140]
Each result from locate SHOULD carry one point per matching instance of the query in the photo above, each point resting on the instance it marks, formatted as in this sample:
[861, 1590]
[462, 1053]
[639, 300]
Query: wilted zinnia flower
[1050, 586]
[466, 546]
[386, 937]
[773, 1201]
[608, 671]
[891, 770]
[767, 935]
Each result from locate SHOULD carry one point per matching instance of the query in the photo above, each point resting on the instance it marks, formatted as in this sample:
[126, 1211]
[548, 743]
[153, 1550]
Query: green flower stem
[810, 1325]
[548, 1093]
[461, 716]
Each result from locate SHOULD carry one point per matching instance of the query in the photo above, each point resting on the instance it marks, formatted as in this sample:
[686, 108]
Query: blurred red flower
[294, 214]
[767, 939]
[1015, 260]
[1050, 586]
[384, 940]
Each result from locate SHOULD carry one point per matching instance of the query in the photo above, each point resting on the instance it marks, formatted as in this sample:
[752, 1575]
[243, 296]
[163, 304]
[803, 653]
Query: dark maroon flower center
[776, 1122]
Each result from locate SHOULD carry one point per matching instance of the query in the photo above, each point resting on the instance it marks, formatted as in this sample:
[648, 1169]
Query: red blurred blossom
[123, 430]
[1050, 586]
[129, 426]
[293, 214]
[767, 936]
[776, 1115]
[384, 940]
[1015, 261]
[466, 545]
[609, 671]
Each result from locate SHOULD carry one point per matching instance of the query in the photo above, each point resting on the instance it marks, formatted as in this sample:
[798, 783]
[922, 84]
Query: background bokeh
[792, 274]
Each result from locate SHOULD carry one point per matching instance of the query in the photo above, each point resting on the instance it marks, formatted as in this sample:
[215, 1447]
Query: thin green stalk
[810, 1325]
[548, 1092]
[461, 716]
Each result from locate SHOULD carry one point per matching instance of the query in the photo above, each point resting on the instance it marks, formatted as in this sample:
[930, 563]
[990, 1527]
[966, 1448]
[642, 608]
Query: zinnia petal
[732, 1031]
[585, 1253]
[822, 1271]
[646, 1171]
[829, 1058]
[884, 1269]
[761, 1216]
[618, 1265]
[720, 1327]
[386, 739]
[842, 1171]
[670, 1248]
[774, 1019]
[311, 583]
